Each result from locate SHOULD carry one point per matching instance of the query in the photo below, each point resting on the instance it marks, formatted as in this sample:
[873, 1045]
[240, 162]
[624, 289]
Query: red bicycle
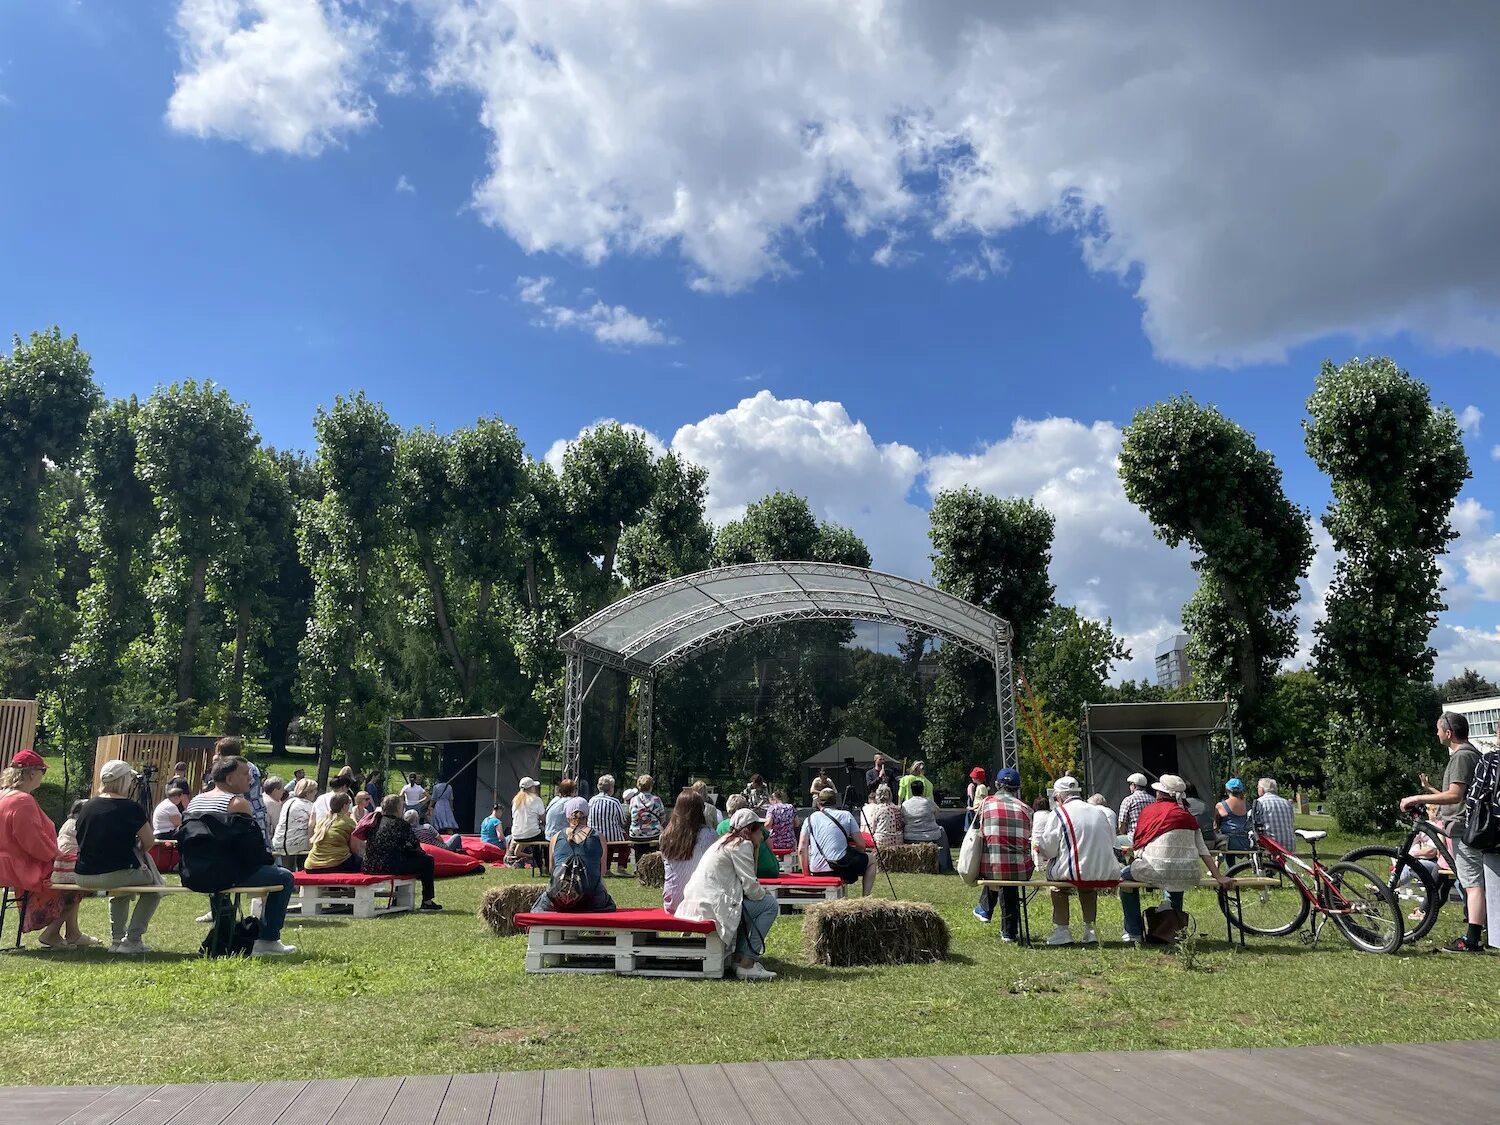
[1356, 901]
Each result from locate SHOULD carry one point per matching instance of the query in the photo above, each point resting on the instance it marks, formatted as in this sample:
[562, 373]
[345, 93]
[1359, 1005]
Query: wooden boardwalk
[1456, 1083]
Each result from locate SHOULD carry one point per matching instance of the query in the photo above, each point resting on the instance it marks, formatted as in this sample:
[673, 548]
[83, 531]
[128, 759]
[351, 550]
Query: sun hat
[1066, 784]
[976, 774]
[529, 783]
[574, 806]
[116, 771]
[1137, 779]
[28, 760]
[1008, 778]
[826, 795]
[1171, 784]
[745, 818]
[1235, 785]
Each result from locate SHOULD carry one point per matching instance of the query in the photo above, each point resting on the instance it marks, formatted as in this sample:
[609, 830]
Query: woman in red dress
[28, 849]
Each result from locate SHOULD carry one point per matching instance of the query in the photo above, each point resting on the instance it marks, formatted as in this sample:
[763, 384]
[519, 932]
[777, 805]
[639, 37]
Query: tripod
[141, 791]
[849, 768]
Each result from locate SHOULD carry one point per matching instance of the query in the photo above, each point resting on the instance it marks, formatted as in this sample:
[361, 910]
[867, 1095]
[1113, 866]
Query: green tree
[1069, 660]
[195, 448]
[288, 602]
[344, 536]
[47, 394]
[1470, 685]
[608, 479]
[1396, 465]
[1201, 480]
[1294, 733]
[672, 537]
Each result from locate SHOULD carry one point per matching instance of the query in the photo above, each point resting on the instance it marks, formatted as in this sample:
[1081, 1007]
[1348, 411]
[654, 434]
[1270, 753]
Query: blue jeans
[756, 916]
[1130, 903]
[275, 914]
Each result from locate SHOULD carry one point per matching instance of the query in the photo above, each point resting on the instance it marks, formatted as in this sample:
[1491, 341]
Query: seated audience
[292, 839]
[375, 787]
[492, 828]
[607, 819]
[166, 818]
[526, 815]
[882, 818]
[244, 860]
[1005, 824]
[113, 839]
[273, 790]
[556, 818]
[391, 848]
[28, 854]
[364, 804]
[339, 783]
[757, 795]
[334, 849]
[427, 834]
[1232, 820]
[64, 868]
[180, 777]
[767, 866]
[578, 866]
[1114, 819]
[1166, 850]
[904, 786]
[1079, 845]
[781, 822]
[831, 843]
[647, 816]
[1273, 814]
[725, 891]
[683, 842]
[711, 814]
[921, 824]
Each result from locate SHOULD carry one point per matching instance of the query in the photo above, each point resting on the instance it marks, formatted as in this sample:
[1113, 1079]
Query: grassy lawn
[439, 994]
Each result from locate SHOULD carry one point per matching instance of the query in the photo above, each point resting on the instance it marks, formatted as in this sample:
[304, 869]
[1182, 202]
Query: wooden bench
[1030, 888]
[641, 943]
[366, 896]
[787, 858]
[797, 892]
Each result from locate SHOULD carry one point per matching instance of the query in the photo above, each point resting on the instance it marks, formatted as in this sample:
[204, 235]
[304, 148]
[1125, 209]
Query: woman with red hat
[978, 791]
[28, 848]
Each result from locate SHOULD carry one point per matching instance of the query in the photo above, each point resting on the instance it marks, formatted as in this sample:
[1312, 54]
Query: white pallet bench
[639, 943]
[365, 896]
[798, 892]
[787, 860]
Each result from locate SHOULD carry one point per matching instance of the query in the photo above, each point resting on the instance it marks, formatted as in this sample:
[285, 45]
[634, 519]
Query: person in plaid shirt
[1130, 808]
[1005, 821]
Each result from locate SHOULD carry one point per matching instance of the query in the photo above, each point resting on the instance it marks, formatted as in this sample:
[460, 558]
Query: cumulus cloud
[614, 325]
[555, 451]
[405, 186]
[1261, 176]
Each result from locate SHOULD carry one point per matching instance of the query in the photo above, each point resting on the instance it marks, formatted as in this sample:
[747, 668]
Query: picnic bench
[797, 892]
[1030, 888]
[236, 893]
[366, 896]
[640, 943]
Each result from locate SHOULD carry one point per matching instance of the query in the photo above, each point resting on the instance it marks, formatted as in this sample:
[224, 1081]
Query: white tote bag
[970, 854]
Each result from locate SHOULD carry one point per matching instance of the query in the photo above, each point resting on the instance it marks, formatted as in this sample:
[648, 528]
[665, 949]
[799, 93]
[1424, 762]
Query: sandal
[83, 941]
[58, 944]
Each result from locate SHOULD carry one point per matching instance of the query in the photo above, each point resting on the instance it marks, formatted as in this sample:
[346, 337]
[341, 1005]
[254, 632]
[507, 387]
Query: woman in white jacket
[725, 891]
[1078, 843]
[292, 839]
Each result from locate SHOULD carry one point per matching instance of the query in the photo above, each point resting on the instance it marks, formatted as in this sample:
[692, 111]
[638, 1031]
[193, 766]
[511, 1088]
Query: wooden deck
[1454, 1082]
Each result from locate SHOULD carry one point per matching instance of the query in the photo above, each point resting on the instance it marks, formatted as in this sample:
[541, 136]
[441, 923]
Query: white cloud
[281, 75]
[614, 325]
[1468, 420]
[1462, 646]
[405, 186]
[1194, 151]
[1495, 453]
[555, 451]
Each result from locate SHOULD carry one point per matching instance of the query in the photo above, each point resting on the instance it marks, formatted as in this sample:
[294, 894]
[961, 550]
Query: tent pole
[386, 761]
[1229, 715]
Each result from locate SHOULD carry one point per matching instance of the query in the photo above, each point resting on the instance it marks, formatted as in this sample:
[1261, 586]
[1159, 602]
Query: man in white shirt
[831, 843]
[413, 793]
[1078, 842]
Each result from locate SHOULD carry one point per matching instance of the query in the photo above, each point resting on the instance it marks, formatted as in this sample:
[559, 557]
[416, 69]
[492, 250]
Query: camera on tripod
[148, 773]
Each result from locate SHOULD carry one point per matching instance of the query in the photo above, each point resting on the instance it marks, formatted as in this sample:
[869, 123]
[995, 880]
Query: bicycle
[1431, 891]
[1358, 903]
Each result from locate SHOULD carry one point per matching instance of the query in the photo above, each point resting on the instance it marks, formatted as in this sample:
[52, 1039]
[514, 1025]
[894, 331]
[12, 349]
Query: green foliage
[1293, 748]
[1201, 480]
[1069, 660]
[1470, 685]
[1396, 465]
[288, 601]
[672, 537]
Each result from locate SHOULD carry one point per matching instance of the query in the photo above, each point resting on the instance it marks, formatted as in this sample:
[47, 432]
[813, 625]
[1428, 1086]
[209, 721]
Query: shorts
[1468, 865]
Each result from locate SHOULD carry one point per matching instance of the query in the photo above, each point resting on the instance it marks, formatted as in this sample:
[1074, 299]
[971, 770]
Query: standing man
[1273, 814]
[1005, 824]
[1130, 808]
[607, 819]
[1453, 733]
[883, 773]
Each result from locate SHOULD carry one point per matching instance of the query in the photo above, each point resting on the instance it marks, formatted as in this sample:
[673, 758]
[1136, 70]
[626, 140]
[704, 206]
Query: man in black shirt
[883, 773]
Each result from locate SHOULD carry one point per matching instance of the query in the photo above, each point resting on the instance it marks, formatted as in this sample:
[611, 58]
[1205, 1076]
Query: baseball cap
[826, 795]
[1067, 783]
[116, 771]
[529, 783]
[1170, 783]
[1235, 785]
[1009, 778]
[1137, 779]
[574, 806]
[744, 818]
[28, 760]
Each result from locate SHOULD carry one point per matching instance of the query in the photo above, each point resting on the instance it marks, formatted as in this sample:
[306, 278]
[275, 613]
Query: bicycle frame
[1435, 834]
[1328, 900]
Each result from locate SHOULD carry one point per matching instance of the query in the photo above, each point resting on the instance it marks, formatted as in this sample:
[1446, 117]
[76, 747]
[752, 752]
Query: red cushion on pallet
[340, 879]
[783, 851]
[802, 881]
[446, 864]
[475, 848]
[658, 921]
[868, 839]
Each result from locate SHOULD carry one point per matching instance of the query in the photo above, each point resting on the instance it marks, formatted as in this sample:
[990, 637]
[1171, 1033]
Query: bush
[650, 870]
[500, 905]
[869, 931]
[910, 859]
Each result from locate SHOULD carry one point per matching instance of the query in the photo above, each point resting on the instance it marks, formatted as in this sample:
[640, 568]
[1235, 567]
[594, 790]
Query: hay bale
[650, 871]
[910, 859]
[870, 931]
[501, 904]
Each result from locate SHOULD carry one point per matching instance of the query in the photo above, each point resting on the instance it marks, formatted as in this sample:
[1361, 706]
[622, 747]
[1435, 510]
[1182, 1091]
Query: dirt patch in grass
[507, 1036]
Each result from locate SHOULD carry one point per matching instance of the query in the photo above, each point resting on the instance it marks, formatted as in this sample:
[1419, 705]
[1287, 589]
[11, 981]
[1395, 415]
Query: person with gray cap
[578, 866]
[1078, 842]
[114, 837]
[1130, 808]
[724, 890]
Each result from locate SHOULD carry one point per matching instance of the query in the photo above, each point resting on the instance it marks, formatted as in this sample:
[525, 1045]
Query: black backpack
[216, 851]
[1482, 805]
[229, 936]
[568, 881]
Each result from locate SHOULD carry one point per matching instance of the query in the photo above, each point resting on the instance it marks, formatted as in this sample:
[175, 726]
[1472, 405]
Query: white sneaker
[756, 971]
[1060, 936]
[1089, 937]
[128, 946]
[205, 918]
[1132, 939]
[271, 949]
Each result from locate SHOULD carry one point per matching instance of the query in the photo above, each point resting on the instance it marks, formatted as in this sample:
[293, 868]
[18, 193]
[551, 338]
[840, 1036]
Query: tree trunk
[341, 675]
[533, 595]
[481, 612]
[190, 626]
[1249, 661]
[235, 695]
[445, 627]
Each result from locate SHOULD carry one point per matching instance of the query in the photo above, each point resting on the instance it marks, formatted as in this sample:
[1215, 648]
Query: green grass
[415, 994]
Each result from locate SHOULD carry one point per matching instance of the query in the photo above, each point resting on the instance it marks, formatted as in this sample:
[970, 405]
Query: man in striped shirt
[607, 819]
[1130, 808]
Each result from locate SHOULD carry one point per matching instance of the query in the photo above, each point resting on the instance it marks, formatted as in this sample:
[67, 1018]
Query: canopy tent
[1120, 739]
[482, 756]
[832, 758]
[656, 628]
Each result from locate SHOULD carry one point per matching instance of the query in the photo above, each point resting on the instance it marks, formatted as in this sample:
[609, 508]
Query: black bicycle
[1409, 880]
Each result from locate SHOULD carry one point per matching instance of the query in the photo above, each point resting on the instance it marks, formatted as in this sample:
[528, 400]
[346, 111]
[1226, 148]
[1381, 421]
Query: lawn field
[417, 994]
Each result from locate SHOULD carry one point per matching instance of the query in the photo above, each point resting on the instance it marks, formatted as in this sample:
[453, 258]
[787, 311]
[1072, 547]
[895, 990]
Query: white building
[1484, 717]
[1171, 662]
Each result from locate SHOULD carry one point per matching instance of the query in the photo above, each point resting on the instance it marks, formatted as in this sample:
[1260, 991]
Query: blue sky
[966, 257]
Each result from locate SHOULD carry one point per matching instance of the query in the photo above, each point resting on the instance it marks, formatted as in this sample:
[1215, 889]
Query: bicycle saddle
[1310, 835]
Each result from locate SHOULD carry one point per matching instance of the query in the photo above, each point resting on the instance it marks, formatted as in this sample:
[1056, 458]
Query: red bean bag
[447, 864]
[476, 848]
[658, 921]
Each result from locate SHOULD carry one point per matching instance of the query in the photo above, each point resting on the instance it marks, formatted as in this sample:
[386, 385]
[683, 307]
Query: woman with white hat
[1167, 848]
[526, 815]
[725, 891]
[1078, 842]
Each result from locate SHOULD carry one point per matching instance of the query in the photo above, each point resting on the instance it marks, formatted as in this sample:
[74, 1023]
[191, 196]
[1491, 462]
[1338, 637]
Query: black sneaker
[1461, 946]
[429, 905]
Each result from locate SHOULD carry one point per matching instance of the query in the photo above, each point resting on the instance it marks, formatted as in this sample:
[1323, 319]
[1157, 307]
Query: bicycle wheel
[1266, 911]
[1372, 922]
[1412, 884]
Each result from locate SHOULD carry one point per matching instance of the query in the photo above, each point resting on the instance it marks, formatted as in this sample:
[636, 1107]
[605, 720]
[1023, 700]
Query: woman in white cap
[725, 891]
[1167, 850]
[114, 835]
[578, 866]
[1078, 843]
[526, 815]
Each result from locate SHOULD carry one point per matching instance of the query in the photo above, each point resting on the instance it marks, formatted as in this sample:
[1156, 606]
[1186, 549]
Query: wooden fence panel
[17, 727]
[142, 750]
